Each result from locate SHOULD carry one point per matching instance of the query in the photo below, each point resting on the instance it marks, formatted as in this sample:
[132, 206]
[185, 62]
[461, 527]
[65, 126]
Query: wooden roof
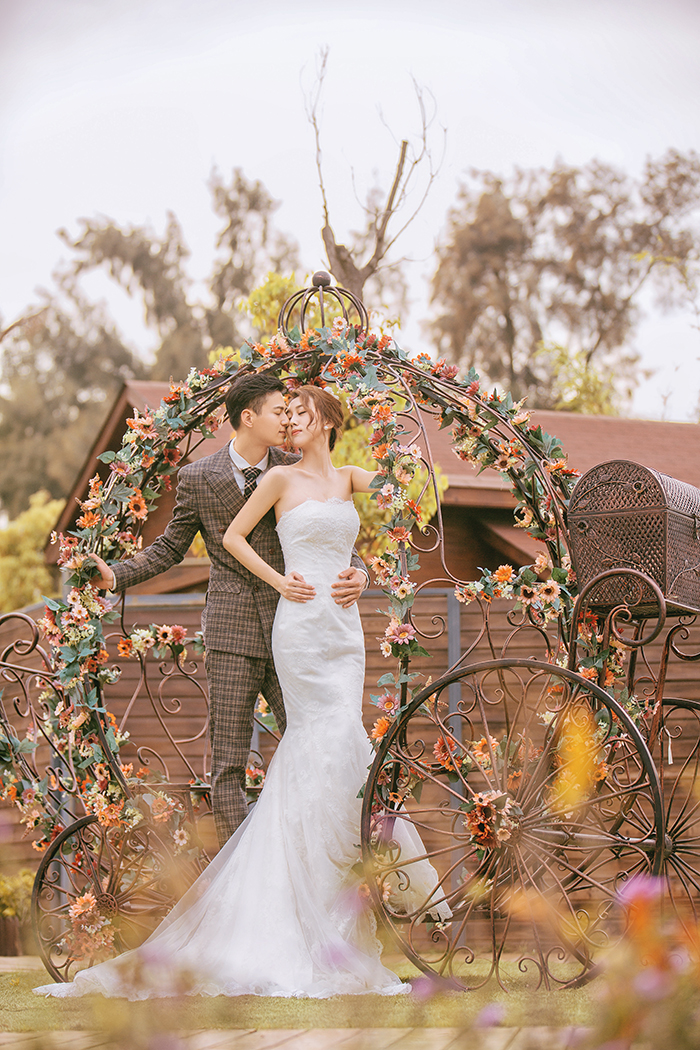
[673, 448]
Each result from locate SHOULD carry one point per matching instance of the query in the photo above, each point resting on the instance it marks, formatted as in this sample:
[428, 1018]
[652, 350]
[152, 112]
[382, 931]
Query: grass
[22, 1011]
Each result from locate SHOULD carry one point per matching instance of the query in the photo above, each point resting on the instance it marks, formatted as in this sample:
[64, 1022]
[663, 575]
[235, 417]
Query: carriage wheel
[101, 890]
[681, 773]
[535, 797]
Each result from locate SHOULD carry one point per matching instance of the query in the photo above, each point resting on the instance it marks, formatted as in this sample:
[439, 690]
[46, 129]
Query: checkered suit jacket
[240, 607]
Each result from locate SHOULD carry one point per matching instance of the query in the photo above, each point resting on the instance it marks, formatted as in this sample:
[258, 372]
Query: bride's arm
[266, 495]
[361, 479]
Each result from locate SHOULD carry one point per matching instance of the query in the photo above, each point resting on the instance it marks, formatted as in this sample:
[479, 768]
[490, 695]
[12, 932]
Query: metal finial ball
[321, 279]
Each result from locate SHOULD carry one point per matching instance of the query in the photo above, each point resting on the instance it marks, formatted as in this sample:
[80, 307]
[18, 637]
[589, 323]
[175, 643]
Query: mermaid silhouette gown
[279, 910]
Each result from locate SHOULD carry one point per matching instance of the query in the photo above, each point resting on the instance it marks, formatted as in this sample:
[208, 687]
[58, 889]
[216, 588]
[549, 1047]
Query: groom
[240, 608]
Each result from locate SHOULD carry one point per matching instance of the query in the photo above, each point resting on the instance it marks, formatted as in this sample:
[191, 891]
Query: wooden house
[479, 532]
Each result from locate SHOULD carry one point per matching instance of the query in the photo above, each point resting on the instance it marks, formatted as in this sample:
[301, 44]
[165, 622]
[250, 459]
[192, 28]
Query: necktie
[251, 475]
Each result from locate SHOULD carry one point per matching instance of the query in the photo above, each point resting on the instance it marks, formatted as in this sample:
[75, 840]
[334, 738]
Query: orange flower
[382, 413]
[349, 360]
[175, 390]
[88, 519]
[444, 752]
[380, 727]
[380, 451]
[399, 535]
[137, 505]
[125, 647]
[504, 573]
[172, 455]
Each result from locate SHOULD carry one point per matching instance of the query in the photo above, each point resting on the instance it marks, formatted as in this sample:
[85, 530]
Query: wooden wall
[179, 702]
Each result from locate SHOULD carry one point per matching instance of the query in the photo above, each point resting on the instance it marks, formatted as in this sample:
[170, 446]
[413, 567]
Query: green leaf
[53, 605]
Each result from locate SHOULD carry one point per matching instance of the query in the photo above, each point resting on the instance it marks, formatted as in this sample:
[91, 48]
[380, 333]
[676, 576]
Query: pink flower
[402, 474]
[120, 468]
[401, 634]
[385, 496]
[641, 889]
[178, 634]
[388, 702]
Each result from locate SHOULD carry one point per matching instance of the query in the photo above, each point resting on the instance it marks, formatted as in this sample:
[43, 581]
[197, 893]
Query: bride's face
[304, 426]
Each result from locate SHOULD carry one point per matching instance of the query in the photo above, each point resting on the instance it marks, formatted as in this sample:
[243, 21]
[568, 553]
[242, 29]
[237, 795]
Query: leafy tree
[559, 257]
[264, 303]
[577, 385]
[64, 363]
[59, 369]
[154, 268]
[24, 576]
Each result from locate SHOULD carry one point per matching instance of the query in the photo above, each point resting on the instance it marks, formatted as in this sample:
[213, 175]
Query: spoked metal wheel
[679, 763]
[100, 891]
[535, 798]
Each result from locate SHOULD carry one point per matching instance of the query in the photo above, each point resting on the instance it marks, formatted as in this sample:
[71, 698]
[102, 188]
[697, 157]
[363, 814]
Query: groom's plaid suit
[237, 620]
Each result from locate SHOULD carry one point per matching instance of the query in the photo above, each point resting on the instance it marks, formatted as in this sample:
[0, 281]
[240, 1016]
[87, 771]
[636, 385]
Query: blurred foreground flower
[650, 991]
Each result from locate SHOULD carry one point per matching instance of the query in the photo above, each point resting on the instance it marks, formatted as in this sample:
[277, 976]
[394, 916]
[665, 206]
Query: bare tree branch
[343, 260]
[22, 321]
[311, 105]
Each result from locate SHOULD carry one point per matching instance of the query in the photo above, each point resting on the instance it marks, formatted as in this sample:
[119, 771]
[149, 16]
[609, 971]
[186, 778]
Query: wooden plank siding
[179, 703]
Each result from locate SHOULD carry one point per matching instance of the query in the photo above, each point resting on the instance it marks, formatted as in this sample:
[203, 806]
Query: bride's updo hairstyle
[325, 407]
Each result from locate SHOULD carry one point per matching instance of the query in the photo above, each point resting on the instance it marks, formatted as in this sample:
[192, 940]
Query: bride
[280, 910]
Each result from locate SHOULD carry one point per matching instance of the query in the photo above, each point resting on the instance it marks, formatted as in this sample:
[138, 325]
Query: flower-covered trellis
[388, 390]
[570, 724]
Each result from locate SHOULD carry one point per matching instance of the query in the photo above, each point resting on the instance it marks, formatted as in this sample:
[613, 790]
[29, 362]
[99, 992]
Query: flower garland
[381, 380]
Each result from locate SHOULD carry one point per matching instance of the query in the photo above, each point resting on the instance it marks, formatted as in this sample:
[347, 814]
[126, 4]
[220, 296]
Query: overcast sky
[122, 108]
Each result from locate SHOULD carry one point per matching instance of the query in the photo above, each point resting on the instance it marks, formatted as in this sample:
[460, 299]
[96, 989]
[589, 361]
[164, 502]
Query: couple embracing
[279, 911]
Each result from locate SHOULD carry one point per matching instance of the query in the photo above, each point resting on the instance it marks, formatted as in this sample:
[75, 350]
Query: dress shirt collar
[243, 464]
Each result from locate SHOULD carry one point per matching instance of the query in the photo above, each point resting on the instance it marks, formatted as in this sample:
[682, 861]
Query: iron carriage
[537, 769]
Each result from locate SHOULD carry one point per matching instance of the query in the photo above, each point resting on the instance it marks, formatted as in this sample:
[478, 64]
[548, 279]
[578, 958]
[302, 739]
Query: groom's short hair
[250, 391]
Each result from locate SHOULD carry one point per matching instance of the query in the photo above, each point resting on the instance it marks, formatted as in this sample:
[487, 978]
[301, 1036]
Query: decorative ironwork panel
[625, 515]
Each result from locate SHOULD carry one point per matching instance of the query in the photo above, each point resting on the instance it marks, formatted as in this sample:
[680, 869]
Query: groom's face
[269, 424]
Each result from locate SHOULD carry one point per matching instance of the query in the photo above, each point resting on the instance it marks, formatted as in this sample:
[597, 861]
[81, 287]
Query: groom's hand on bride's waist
[351, 583]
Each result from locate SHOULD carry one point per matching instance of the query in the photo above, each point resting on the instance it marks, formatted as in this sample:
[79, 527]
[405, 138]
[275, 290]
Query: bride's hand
[350, 585]
[295, 588]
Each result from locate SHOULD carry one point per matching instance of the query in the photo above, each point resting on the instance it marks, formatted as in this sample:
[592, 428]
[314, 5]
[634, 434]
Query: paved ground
[10, 963]
[320, 1039]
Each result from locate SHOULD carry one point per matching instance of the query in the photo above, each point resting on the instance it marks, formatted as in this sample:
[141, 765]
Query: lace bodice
[317, 538]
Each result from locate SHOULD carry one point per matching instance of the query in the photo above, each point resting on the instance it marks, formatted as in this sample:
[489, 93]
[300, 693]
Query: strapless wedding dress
[280, 911]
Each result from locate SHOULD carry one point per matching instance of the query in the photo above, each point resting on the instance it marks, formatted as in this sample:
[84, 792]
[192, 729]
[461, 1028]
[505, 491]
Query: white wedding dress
[279, 910]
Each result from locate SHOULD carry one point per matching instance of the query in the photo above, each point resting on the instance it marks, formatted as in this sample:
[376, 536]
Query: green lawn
[22, 1011]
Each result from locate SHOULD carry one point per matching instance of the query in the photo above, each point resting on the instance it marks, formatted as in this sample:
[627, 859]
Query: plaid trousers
[234, 683]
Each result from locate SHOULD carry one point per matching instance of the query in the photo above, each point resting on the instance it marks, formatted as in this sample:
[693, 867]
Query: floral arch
[385, 387]
[85, 800]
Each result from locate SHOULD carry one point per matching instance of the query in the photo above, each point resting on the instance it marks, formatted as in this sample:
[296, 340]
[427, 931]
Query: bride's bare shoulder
[276, 480]
[358, 478]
